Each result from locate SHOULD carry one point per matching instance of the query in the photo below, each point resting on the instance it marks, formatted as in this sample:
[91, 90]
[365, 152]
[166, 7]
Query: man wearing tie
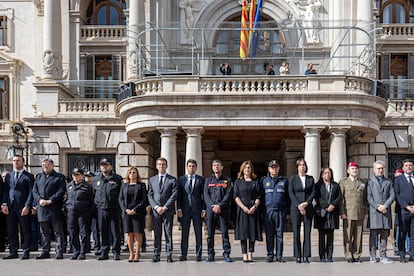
[162, 193]
[16, 204]
[404, 191]
[190, 204]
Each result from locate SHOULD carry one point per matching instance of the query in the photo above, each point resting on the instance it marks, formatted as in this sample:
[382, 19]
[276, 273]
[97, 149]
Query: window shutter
[116, 67]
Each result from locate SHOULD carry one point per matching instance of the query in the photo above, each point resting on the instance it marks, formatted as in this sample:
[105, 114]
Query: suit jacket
[404, 192]
[18, 193]
[299, 195]
[380, 195]
[190, 202]
[165, 196]
[140, 199]
[323, 199]
[51, 187]
[354, 198]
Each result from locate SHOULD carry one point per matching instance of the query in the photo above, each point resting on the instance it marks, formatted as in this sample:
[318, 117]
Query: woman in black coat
[133, 200]
[301, 193]
[247, 192]
[328, 198]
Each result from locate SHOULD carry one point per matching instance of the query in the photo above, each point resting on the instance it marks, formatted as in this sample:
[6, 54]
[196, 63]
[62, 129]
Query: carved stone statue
[52, 66]
[189, 9]
[309, 14]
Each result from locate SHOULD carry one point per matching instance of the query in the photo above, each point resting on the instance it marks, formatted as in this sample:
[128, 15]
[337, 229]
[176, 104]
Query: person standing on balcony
[380, 195]
[48, 191]
[191, 207]
[310, 70]
[218, 192]
[225, 69]
[162, 193]
[353, 211]
[106, 186]
[17, 202]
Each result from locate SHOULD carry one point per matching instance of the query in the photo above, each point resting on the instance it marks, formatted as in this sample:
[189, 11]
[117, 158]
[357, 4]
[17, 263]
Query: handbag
[320, 212]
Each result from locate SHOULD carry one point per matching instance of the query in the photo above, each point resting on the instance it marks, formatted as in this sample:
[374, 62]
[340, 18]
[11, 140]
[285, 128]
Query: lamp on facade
[21, 143]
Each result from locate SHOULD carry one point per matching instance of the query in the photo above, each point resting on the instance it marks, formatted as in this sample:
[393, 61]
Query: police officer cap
[273, 163]
[77, 171]
[105, 161]
[89, 174]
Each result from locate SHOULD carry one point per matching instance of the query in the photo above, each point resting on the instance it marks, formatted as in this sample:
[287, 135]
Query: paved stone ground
[260, 267]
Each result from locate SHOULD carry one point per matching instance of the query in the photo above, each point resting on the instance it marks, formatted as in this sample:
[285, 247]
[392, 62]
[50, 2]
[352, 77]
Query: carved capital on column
[312, 130]
[39, 4]
[194, 131]
[52, 65]
[338, 130]
[168, 131]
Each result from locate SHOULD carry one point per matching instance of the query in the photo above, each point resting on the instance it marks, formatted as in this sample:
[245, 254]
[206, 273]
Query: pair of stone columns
[337, 151]
[193, 147]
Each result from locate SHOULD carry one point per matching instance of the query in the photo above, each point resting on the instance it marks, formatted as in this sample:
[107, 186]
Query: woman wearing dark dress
[133, 201]
[301, 193]
[247, 193]
[328, 197]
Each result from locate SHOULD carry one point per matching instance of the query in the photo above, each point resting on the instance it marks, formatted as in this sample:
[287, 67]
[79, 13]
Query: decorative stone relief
[309, 15]
[52, 65]
[189, 10]
[39, 4]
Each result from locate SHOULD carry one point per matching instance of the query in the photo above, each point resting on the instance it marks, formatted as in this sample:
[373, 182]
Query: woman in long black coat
[247, 192]
[328, 197]
[133, 201]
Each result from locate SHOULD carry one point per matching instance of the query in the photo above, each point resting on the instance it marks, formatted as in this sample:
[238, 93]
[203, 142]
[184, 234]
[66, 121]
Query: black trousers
[326, 238]
[14, 219]
[297, 219]
[158, 222]
[46, 228]
[222, 219]
[78, 225]
[108, 220]
[197, 224]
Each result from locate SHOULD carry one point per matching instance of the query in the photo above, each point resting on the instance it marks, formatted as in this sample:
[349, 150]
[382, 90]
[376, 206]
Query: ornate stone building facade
[135, 80]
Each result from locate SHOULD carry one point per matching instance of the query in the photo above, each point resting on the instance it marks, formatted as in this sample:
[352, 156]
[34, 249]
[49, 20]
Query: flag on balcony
[244, 40]
[252, 14]
[254, 40]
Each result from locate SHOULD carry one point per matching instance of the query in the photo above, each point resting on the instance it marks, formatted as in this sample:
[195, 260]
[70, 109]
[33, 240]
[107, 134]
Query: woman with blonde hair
[133, 201]
[247, 192]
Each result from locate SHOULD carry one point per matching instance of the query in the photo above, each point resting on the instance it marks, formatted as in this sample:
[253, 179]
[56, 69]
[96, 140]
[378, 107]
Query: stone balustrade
[253, 84]
[104, 32]
[396, 31]
[401, 106]
[89, 107]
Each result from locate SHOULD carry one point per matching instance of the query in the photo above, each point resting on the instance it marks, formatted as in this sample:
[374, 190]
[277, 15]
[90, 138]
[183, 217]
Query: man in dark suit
[218, 193]
[404, 191]
[16, 204]
[162, 193]
[190, 205]
[48, 191]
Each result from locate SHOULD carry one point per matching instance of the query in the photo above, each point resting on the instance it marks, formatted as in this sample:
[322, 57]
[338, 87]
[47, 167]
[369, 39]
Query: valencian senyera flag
[244, 33]
[249, 34]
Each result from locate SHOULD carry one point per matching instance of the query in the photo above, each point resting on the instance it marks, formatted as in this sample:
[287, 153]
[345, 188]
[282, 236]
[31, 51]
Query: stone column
[313, 150]
[135, 26]
[362, 39]
[52, 40]
[169, 148]
[337, 153]
[193, 147]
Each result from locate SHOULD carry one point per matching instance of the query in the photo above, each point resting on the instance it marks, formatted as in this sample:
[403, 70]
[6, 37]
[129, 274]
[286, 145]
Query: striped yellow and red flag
[252, 14]
[244, 34]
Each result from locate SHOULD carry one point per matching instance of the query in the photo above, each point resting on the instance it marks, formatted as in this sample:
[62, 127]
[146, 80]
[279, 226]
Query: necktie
[161, 181]
[16, 176]
[190, 184]
[410, 179]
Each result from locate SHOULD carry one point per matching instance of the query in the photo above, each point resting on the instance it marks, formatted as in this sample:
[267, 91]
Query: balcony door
[88, 162]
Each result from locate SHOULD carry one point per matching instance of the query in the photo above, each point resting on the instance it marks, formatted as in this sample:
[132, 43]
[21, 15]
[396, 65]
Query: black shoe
[82, 257]
[403, 260]
[357, 260]
[59, 256]
[98, 253]
[298, 260]
[329, 261]
[74, 257]
[155, 259]
[198, 259]
[209, 260]
[269, 259]
[25, 256]
[11, 256]
[280, 260]
[43, 256]
[117, 257]
[322, 260]
[306, 260]
[183, 258]
[103, 257]
[170, 259]
[352, 260]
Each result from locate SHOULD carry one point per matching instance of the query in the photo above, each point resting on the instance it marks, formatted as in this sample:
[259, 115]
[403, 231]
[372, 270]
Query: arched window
[395, 11]
[106, 12]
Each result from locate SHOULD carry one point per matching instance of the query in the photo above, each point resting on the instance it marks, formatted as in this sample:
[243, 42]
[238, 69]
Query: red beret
[399, 171]
[353, 164]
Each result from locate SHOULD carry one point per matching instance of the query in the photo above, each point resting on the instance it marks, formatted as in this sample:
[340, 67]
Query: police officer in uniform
[353, 210]
[106, 186]
[79, 204]
[276, 208]
[217, 196]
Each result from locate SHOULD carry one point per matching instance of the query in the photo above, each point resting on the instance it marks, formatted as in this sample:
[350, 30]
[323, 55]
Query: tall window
[4, 98]
[3, 30]
[396, 11]
[107, 12]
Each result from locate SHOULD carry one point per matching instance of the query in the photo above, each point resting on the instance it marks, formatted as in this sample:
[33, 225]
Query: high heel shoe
[250, 257]
[136, 259]
[245, 260]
